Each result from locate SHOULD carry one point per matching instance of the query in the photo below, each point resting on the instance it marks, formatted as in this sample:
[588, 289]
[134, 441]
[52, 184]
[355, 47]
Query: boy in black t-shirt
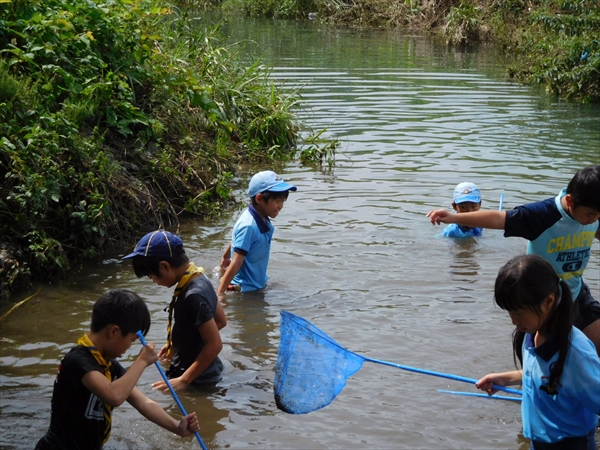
[90, 382]
[195, 313]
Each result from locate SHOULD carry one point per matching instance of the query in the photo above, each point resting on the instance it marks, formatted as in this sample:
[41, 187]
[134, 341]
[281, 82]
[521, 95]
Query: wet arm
[232, 270]
[155, 413]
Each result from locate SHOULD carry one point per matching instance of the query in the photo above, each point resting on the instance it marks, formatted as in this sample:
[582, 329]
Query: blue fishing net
[311, 367]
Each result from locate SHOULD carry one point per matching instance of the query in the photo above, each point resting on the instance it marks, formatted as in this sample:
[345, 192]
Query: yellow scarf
[189, 273]
[105, 365]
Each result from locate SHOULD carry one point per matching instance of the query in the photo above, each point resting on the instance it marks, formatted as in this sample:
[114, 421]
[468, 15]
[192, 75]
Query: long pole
[315, 330]
[439, 374]
[162, 372]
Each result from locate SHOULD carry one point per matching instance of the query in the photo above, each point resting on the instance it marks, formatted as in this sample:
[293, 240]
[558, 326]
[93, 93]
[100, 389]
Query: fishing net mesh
[311, 367]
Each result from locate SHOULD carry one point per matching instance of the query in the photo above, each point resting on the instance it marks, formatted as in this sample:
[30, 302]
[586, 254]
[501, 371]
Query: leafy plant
[317, 150]
[463, 23]
[561, 50]
[117, 116]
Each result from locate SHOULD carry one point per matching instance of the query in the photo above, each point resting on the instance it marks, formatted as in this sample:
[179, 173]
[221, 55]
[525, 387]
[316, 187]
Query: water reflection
[465, 266]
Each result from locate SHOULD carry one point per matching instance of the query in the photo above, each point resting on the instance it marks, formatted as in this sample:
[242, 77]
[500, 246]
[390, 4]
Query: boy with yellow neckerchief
[195, 314]
[90, 382]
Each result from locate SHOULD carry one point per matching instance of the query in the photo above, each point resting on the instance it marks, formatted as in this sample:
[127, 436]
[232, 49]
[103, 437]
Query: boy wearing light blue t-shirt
[467, 198]
[246, 258]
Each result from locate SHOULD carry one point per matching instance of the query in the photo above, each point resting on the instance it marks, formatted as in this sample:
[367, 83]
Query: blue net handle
[312, 368]
[441, 374]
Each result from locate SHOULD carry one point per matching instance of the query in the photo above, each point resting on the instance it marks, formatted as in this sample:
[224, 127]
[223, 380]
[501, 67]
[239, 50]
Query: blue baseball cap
[467, 192]
[157, 243]
[268, 180]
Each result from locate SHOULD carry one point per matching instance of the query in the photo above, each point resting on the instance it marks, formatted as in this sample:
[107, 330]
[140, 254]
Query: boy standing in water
[560, 230]
[193, 340]
[246, 258]
[90, 381]
[467, 198]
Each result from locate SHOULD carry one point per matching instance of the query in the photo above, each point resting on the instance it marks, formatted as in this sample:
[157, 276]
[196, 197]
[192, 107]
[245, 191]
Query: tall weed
[118, 116]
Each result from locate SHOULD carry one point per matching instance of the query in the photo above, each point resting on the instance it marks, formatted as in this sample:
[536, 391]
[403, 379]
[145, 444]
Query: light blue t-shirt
[254, 240]
[573, 412]
[460, 231]
[555, 236]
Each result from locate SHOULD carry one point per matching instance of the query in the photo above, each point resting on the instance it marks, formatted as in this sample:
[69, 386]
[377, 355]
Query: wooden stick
[18, 304]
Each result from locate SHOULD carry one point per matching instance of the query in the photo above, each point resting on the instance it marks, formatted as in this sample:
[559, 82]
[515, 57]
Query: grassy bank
[117, 117]
[553, 43]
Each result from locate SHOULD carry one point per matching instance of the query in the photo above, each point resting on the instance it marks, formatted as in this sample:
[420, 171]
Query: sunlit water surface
[353, 253]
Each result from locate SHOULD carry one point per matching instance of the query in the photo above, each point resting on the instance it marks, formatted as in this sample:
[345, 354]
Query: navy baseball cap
[159, 243]
[467, 192]
[268, 180]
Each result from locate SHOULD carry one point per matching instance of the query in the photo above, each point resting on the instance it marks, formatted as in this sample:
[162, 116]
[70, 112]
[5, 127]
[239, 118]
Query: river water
[353, 253]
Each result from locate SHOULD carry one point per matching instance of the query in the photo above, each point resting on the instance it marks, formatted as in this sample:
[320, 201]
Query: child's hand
[439, 216]
[487, 383]
[225, 261]
[177, 384]
[148, 354]
[189, 425]
[162, 356]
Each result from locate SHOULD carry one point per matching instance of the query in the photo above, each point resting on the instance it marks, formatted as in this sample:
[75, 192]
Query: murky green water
[353, 253]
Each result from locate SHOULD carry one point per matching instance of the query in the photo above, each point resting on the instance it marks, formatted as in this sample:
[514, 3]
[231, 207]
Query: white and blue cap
[159, 243]
[467, 192]
[268, 180]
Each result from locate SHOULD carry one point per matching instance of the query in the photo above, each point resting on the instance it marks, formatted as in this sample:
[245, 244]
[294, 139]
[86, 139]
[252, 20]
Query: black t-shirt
[195, 306]
[77, 421]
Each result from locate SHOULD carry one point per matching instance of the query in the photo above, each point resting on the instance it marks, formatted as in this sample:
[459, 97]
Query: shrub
[117, 116]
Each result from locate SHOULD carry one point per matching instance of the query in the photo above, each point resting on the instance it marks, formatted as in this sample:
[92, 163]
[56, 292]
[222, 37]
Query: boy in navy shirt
[246, 258]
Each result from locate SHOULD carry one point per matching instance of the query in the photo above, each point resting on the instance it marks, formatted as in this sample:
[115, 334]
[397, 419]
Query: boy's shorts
[209, 378]
[588, 308]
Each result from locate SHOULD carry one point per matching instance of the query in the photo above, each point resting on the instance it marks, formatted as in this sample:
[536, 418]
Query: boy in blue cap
[195, 313]
[467, 198]
[246, 258]
[561, 230]
[91, 382]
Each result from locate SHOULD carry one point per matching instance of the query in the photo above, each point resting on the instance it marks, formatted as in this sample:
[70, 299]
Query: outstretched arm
[482, 219]
[500, 379]
[153, 411]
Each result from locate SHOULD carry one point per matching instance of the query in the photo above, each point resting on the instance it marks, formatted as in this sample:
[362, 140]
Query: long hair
[525, 282]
